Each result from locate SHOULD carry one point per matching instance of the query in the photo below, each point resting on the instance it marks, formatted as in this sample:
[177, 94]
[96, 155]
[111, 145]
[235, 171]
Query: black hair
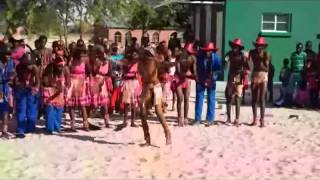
[299, 44]
[43, 37]
[285, 61]
[308, 42]
[80, 42]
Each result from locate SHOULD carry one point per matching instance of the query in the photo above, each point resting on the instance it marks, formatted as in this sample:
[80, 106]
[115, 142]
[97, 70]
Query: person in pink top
[130, 86]
[99, 86]
[185, 72]
[77, 94]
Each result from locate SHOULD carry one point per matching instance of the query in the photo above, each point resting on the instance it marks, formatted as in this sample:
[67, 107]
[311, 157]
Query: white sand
[285, 149]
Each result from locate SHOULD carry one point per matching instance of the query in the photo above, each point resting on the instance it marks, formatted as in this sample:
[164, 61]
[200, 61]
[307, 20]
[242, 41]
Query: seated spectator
[284, 79]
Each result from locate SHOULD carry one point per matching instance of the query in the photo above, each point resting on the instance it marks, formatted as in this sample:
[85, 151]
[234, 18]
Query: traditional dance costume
[26, 100]
[130, 86]
[6, 71]
[77, 94]
[100, 87]
[53, 101]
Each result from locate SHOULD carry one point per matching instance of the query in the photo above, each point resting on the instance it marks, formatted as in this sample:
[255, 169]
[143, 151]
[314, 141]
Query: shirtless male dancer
[151, 92]
[261, 60]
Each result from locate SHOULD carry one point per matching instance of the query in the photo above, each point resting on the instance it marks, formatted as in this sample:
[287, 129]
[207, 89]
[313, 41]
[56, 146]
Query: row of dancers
[51, 81]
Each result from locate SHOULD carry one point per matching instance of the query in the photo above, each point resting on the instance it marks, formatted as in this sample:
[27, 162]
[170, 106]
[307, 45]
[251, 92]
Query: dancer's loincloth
[152, 95]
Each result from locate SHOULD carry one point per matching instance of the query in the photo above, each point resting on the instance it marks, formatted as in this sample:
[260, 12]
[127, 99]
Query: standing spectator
[145, 39]
[174, 42]
[284, 79]
[318, 75]
[298, 60]
[311, 73]
[270, 82]
[188, 35]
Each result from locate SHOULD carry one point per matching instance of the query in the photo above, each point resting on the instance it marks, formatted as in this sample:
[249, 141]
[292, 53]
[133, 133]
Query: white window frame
[276, 22]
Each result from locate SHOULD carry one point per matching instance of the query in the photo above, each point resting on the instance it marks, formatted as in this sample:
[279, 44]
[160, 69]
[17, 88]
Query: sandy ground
[285, 149]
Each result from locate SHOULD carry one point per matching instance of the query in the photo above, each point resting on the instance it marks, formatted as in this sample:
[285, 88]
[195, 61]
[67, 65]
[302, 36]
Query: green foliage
[44, 21]
[158, 14]
[142, 16]
[53, 16]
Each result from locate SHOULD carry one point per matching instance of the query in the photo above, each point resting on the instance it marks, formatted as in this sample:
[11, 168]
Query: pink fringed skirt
[99, 93]
[131, 91]
[78, 94]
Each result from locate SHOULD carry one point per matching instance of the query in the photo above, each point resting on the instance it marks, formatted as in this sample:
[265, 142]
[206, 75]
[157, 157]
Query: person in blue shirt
[6, 74]
[208, 66]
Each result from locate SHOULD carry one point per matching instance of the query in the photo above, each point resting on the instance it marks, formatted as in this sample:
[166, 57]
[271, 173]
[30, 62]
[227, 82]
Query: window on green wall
[276, 22]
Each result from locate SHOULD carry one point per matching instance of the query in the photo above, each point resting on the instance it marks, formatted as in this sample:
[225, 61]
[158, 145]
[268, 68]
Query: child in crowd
[53, 94]
[6, 75]
[284, 79]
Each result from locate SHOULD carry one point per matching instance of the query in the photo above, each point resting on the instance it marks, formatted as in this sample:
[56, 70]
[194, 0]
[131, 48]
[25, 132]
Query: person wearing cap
[151, 92]
[26, 94]
[207, 66]
[18, 48]
[298, 60]
[17, 40]
[77, 95]
[6, 74]
[238, 65]
[185, 69]
[260, 59]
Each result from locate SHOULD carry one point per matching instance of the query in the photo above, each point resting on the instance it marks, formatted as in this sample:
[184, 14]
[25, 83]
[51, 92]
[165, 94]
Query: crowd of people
[50, 81]
[300, 77]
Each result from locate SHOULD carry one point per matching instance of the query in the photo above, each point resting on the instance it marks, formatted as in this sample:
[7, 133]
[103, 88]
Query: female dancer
[131, 88]
[185, 68]
[77, 95]
[53, 79]
[100, 75]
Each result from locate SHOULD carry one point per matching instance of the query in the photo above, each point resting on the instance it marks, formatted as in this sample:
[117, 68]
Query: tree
[34, 15]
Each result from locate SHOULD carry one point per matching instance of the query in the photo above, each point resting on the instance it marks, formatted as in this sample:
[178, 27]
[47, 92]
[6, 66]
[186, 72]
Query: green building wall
[243, 20]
